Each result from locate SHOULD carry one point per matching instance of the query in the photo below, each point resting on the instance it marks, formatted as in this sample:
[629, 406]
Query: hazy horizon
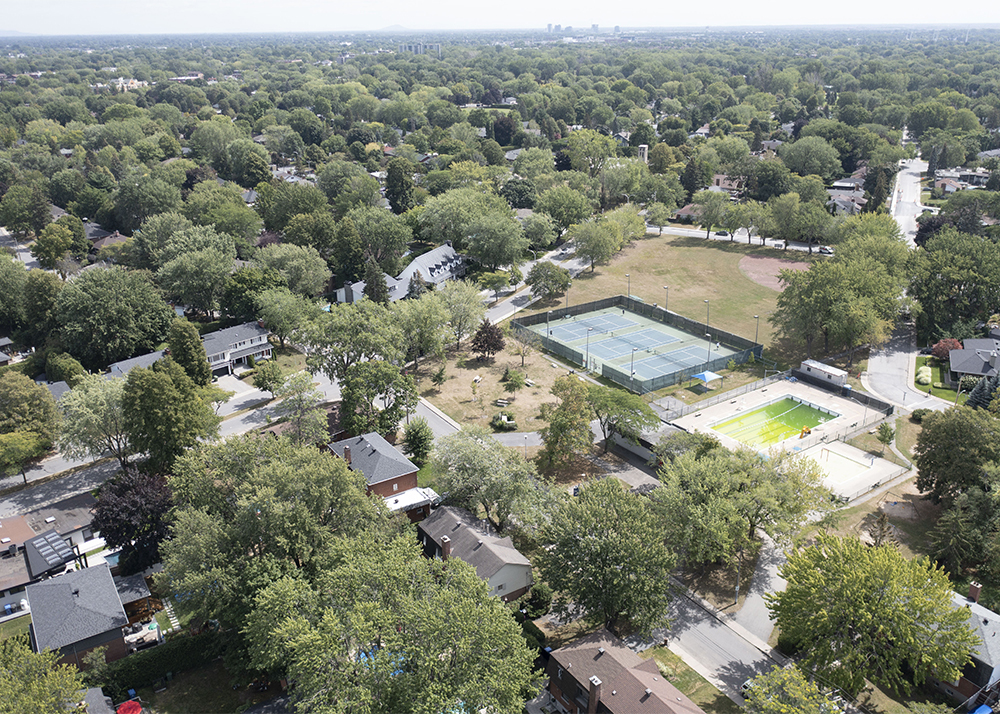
[154, 17]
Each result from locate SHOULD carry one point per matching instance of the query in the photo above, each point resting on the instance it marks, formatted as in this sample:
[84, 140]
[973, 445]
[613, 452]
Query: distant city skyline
[104, 17]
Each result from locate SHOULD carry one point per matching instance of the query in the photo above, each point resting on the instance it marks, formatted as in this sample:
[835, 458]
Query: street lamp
[708, 338]
[629, 276]
[548, 332]
[587, 365]
[666, 295]
[525, 447]
[756, 330]
[708, 312]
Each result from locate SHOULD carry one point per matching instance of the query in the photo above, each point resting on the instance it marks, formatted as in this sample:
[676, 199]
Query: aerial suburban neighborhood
[560, 370]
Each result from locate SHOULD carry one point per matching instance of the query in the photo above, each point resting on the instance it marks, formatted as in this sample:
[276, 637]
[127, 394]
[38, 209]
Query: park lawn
[695, 270]
[203, 691]
[456, 399]
[690, 683]
[946, 393]
[907, 432]
[17, 626]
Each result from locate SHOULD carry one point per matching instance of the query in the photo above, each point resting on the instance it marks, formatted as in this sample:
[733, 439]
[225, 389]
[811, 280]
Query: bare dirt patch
[764, 271]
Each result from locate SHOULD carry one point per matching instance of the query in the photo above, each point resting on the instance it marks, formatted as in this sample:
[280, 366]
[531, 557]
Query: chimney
[347, 455]
[974, 590]
[595, 695]
[445, 547]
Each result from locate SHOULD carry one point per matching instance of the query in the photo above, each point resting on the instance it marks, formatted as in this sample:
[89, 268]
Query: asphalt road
[906, 206]
[21, 252]
[889, 372]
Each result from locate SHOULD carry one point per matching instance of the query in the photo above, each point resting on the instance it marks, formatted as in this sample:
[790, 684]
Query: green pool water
[773, 422]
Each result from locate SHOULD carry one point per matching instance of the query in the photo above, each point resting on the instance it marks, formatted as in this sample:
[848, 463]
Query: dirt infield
[764, 271]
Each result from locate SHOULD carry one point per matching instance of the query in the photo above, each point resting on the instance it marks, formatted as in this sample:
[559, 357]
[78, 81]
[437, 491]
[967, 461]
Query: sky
[106, 17]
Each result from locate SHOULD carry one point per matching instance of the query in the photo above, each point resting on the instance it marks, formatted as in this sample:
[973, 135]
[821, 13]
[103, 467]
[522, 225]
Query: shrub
[938, 385]
[918, 415]
[540, 601]
[731, 365]
[531, 632]
[499, 424]
[924, 375]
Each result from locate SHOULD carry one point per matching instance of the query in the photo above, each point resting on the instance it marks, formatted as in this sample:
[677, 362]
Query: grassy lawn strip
[690, 683]
[17, 626]
[943, 392]
[907, 432]
[871, 445]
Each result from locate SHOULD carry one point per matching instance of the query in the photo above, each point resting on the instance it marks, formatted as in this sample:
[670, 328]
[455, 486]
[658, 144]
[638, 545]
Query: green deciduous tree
[713, 504]
[303, 269]
[447, 217]
[857, 613]
[621, 413]
[34, 682]
[606, 560]
[61, 367]
[712, 208]
[17, 448]
[25, 209]
[418, 440]
[384, 236]
[423, 323]
[547, 279]
[496, 240]
[165, 412]
[283, 312]
[351, 333]
[299, 406]
[595, 241]
[268, 376]
[567, 433]
[111, 314]
[465, 308]
[94, 420]
[485, 477]
[399, 185]
[27, 407]
[565, 205]
[955, 451]
[52, 245]
[376, 397]
[589, 151]
[812, 155]
[488, 340]
[784, 690]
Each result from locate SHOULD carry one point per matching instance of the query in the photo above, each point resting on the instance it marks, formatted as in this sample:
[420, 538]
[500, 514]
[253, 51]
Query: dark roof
[221, 340]
[68, 515]
[6, 342]
[13, 570]
[75, 606]
[57, 389]
[97, 703]
[986, 624]
[120, 369]
[974, 362]
[131, 588]
[4, 358]
[47, 552]
[374, 457]
[625, 676]
[471, 542]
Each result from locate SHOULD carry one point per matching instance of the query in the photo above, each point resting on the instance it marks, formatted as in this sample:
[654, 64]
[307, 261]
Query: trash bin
[847, 391]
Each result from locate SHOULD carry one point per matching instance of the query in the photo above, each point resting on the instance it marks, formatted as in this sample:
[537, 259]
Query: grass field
[690, 683]
[203, 691]
[946, 393]
[695, 270]
[17, 626]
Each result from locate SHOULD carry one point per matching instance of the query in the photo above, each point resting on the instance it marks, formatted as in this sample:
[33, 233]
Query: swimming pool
[775, 421]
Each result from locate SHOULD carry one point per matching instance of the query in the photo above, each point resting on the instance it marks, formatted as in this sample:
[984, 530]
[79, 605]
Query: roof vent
[76, 591]
[648, 692]
[614, 691]
[50, 519]
[600, 650]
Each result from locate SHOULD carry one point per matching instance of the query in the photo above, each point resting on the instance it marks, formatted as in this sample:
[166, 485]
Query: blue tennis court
[571, 330]
[621, 345]
[657, 365]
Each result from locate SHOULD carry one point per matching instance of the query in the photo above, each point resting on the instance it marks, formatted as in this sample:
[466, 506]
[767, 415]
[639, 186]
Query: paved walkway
[754, 616]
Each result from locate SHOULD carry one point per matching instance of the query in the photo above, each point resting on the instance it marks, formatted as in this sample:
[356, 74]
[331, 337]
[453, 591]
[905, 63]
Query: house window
[558, 672]
[395, 487]
[500, 588]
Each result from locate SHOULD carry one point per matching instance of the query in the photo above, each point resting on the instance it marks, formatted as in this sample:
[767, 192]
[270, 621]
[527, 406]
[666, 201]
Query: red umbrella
[130, 707]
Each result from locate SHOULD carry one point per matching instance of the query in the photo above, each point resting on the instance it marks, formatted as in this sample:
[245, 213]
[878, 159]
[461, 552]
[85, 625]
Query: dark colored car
[722, 233]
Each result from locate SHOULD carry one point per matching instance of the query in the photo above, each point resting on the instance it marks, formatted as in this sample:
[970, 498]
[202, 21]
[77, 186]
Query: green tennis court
[774, 422]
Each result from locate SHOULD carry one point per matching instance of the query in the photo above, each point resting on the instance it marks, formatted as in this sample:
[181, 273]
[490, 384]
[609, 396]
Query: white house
[435, 267]
[233, 345]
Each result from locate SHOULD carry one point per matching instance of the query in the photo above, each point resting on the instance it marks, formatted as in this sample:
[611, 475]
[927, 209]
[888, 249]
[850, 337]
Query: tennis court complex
[640, 351]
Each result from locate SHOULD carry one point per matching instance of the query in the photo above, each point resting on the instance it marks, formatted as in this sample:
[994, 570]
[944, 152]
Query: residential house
[71, 517]
[435, 267]
[771, 144]
[100, 244]
[703, 131]
[450, 532]
[977, 358]
[57, 389]
[598, 673]
[687, 214]
[728, 184]
[75, 613]
[947, 185]
[845, 201]
[236, 345]
[6, 350]
[984, 669]
[848, 185]
[388, 474]
[121, 369]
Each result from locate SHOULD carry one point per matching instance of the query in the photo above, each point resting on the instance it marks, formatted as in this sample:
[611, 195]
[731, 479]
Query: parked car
[722, 233]
[746, 687]
[825, 250]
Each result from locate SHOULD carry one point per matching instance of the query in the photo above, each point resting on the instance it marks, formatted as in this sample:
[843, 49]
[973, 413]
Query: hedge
[146, 667]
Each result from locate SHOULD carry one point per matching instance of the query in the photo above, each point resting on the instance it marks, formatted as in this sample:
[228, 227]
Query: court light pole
[548, 316]
[708, 314]
[632, 367]
[756, 330]
[629, 276]
[708, 339]
[525, 447]
[666, 295]
[587, 366]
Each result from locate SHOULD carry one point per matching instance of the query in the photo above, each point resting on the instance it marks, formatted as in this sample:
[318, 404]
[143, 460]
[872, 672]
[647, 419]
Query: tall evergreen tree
[984, 391]
[375, 287]
[188, 351]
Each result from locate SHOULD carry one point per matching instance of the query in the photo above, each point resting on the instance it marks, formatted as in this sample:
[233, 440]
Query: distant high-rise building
[569, 28]
[593, 28]
[419, 48]
[550, 28]
[558, 28]
[617, 30]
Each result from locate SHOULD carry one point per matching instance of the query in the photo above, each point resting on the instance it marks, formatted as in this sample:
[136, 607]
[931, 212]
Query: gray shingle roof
[222, 340]
[374, 457]
[57, 389]
[131, 588]
[75, 606]
[120, 369]
[986, 624]
[974, 362]
[470, 542]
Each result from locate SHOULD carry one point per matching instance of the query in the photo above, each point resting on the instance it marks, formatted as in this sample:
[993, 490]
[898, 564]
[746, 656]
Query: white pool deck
[850, 472]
